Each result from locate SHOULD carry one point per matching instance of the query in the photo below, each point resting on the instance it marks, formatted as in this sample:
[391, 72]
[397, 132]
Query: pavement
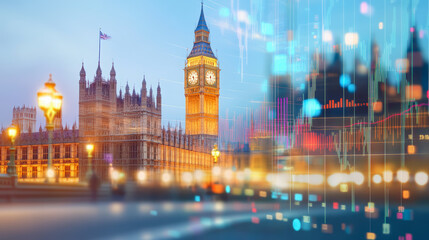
[198, 220]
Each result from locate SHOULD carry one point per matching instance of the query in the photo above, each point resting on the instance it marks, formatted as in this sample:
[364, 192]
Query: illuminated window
[105, 149]
[45, 152]
[7, 154]
[24, 153]
[57, 151]
[133, 150]
[34, 172]
[35, 153]
[67, 171]
[120, 150]
[67, 151]
[24, 172]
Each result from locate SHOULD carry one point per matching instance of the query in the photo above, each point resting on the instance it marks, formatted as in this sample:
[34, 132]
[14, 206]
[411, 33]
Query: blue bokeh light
[311, 107]
[271, 46]
[296, 224]
[280, 64]
[351, 88]
[298, 197]
[345, 80]
[267, 29]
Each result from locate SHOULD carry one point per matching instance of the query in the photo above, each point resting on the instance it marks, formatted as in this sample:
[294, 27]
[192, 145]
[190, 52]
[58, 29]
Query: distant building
[126, 129]
[32, 155]
[25, 118]
[202, 87]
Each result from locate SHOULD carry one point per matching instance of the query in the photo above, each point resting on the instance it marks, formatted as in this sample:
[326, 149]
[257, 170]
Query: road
[194, 220]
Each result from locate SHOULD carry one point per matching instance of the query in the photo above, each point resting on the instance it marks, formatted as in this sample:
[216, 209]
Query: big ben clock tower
[202, 87]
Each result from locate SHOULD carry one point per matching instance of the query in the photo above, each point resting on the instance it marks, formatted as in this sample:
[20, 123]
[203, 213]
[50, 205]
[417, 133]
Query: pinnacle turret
[98, 73]
[112, 71]
[82, 72]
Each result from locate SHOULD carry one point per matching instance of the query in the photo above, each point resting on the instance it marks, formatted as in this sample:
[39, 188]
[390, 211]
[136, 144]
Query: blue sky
[148, 37]
[152, 37]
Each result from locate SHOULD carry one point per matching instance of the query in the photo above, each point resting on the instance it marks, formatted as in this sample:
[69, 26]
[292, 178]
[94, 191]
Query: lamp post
[215, 154]
[50, 101]
[89, 149]
[12, 132]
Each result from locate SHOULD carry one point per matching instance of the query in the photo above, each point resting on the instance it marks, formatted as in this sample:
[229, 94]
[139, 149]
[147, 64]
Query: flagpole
[99, 45]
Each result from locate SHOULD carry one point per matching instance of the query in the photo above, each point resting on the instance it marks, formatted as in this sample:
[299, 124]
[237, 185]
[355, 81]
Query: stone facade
[25, 118]
[31, 157]
[126, 130]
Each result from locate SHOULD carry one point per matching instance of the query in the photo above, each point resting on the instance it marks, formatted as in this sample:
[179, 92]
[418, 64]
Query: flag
[104, 36]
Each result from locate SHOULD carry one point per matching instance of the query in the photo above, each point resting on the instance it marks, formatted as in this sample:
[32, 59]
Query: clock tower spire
[202, 87]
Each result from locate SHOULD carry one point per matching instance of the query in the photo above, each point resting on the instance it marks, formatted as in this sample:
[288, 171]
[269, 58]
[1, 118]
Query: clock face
[210, 77]
[193, 77]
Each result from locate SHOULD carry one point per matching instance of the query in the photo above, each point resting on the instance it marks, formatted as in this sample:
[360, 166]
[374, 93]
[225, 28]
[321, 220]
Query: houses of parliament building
[126, 128]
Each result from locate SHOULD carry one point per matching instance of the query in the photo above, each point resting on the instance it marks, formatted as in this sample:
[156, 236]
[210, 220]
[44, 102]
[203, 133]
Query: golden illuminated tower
[202, 87]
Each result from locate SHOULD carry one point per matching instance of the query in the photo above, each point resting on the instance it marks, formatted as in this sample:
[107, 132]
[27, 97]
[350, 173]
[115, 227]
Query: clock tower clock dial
[192, 77]
[202, 96]
[210, 77]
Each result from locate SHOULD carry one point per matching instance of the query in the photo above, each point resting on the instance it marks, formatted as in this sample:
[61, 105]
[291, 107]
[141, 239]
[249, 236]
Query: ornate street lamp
[90, 150]
[12, 132]
[215, 153]
[50, 101]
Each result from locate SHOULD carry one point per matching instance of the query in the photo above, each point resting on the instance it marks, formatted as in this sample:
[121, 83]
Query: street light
[50, 101]
[215, 153]
[12, 132]
[89, 149]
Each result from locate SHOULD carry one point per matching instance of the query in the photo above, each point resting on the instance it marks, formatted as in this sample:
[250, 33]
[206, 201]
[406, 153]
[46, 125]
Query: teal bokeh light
[296, 224]
[311, 107]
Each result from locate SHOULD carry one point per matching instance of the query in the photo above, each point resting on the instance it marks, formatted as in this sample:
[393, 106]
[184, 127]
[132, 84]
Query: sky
[149, 38]
[152, 38]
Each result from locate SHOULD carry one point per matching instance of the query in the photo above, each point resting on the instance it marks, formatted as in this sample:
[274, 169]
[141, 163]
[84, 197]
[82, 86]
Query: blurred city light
[357, 177]
[403, 176]
[376, 178]
[345, 80]
[311, 108]
[313, 179]
[388, 176]
[216, 171]
[187, 178]
[199, 176]
[50, 173]
[351, 39]
[327, 36]
[115, 175]
[141, 175]
[166, 177]
[421, 178]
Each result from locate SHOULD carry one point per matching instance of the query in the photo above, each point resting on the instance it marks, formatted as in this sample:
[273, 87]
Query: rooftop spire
[202, 22]
[202, 42]
[112, 71]
[98, 73]
[82, 71]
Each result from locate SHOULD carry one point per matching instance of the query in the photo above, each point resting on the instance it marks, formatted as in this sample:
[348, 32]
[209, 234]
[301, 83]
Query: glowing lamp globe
[49, 99]
[12, 131]
[90, 147]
